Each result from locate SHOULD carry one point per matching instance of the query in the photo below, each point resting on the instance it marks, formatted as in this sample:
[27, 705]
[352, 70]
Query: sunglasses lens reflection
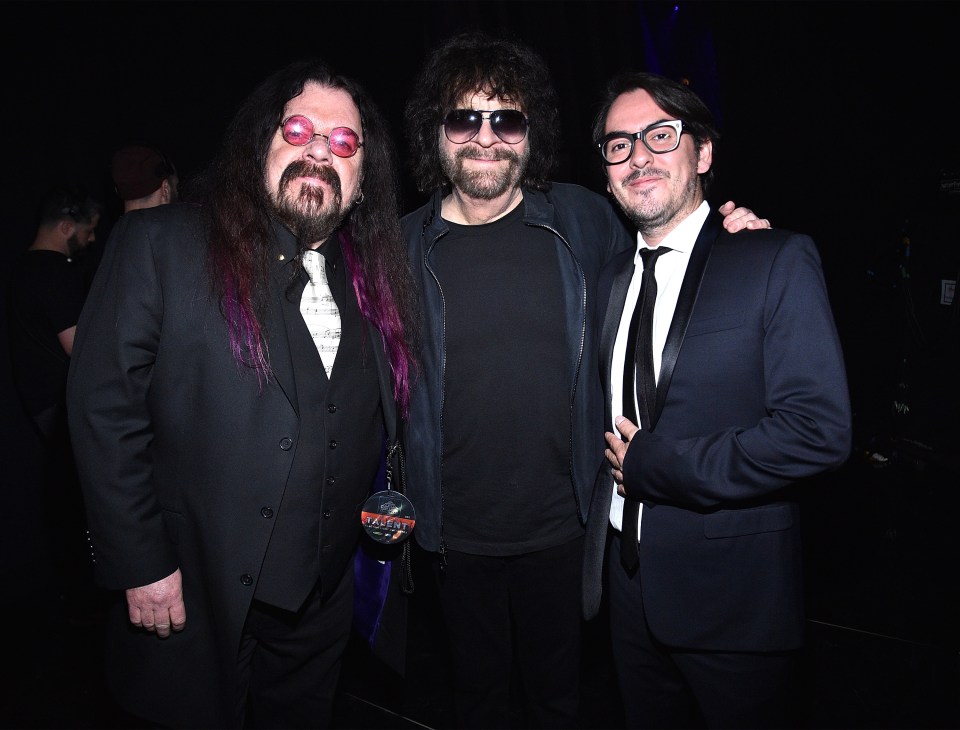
[297, 130]
[344, 142]
[462, 125]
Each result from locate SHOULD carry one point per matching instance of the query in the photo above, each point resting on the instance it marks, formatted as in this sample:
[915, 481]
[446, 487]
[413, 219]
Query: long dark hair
[472, 62]
[676, 99]
[240, 209]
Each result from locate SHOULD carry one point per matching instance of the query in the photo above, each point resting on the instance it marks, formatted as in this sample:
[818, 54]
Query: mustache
[497, 153]
[301, 168]
[646, 172]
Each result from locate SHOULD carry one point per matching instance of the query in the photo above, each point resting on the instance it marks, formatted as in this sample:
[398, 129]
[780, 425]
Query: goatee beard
[484, 185]
[308, 212]
[74, 247]
[646, 214]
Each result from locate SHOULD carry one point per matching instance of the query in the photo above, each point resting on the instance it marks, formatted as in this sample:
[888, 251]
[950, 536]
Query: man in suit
[750, 398]
[238, 366]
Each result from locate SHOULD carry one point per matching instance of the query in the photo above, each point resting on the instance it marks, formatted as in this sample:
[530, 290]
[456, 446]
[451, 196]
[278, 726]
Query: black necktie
[639, 379]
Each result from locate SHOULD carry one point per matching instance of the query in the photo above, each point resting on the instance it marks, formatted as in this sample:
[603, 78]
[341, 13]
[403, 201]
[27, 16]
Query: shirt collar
[684, 236]
[330, 250]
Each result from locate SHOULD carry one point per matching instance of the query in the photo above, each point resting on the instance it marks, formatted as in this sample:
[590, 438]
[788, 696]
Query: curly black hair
[471, 62]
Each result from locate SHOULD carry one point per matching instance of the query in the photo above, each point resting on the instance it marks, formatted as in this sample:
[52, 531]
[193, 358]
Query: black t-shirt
[506, 414]
[47, 292]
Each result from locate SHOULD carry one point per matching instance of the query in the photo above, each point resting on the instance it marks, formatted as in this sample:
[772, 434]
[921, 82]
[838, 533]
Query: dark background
[838, 120]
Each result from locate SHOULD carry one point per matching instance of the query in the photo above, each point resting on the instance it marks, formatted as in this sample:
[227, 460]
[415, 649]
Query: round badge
[388, 517]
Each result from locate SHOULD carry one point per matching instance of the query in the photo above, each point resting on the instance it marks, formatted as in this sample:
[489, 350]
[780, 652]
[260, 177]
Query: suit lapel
[599, 513]
[685, 303]
[614, 310]
[281, 359]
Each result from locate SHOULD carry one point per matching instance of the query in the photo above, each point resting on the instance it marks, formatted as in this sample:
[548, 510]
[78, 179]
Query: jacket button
[331, 408]
[286, 443]
[246, 579]
[266, 512]
[326, 514]
[333, 443]
[331, 480]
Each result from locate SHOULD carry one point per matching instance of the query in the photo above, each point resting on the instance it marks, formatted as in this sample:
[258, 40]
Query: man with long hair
[505, 433]
[241, 363]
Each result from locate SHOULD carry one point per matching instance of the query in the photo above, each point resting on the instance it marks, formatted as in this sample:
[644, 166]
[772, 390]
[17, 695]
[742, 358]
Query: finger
[612, 458]
[152, 621]
[759, 223]
[612, 439]
[626, 427]
[178, 616]
[727, 207]
[163, 630]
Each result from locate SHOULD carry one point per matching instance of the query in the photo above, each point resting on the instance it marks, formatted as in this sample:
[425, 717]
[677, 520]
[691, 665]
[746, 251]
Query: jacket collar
[537, 210]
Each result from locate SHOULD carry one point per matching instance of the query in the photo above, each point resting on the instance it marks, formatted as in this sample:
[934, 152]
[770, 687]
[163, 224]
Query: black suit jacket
[752, 398]
[186, 458]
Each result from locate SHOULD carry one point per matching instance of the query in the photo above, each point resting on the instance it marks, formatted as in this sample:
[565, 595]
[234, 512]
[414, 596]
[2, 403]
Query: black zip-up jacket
[588, 233]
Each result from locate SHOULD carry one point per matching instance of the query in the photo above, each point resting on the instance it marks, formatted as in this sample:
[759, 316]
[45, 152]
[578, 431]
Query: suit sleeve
[116, 347]
[802, 427]
[621, 239]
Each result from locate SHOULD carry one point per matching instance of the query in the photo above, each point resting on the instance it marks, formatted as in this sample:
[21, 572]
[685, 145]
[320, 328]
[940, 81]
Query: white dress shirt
[671, 267]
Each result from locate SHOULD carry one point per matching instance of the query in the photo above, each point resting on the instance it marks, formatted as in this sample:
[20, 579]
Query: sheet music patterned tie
[319, 310]
[639, 378]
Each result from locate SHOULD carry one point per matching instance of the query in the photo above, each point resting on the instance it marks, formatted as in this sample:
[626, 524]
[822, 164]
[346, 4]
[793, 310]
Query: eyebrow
[645, 126]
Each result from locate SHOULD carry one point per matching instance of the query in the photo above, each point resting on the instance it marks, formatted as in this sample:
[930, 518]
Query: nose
[486, 136]
[318, 148]
[640, 156]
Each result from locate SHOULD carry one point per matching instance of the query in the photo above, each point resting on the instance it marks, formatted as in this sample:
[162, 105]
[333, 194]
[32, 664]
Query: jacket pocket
[734, 523]
[715, 324]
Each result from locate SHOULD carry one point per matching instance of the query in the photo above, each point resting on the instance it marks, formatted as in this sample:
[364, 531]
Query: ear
[66, 228]
[165, 191]
[706, 157]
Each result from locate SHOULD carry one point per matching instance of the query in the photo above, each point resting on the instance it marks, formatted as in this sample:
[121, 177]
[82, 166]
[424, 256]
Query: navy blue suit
[752, 398]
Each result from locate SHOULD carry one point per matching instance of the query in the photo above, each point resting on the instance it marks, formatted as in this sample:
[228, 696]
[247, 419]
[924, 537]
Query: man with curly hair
[507, 264]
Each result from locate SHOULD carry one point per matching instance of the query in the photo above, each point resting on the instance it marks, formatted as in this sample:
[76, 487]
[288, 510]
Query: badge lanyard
[388, 516]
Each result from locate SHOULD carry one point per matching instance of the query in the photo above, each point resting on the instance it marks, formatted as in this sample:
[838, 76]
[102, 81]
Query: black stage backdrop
[837, 120]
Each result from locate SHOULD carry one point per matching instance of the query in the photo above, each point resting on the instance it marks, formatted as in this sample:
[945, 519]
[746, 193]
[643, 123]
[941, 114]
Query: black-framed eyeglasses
[462, 125]
[299, 131]
[659, 137]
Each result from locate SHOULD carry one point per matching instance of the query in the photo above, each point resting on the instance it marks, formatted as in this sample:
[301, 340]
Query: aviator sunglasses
[462, 125]
[299, 131]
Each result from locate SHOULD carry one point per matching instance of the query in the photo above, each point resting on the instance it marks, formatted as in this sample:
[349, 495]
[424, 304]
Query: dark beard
[484, 185]
[654, 216]
[309, 216]
[74, 247]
